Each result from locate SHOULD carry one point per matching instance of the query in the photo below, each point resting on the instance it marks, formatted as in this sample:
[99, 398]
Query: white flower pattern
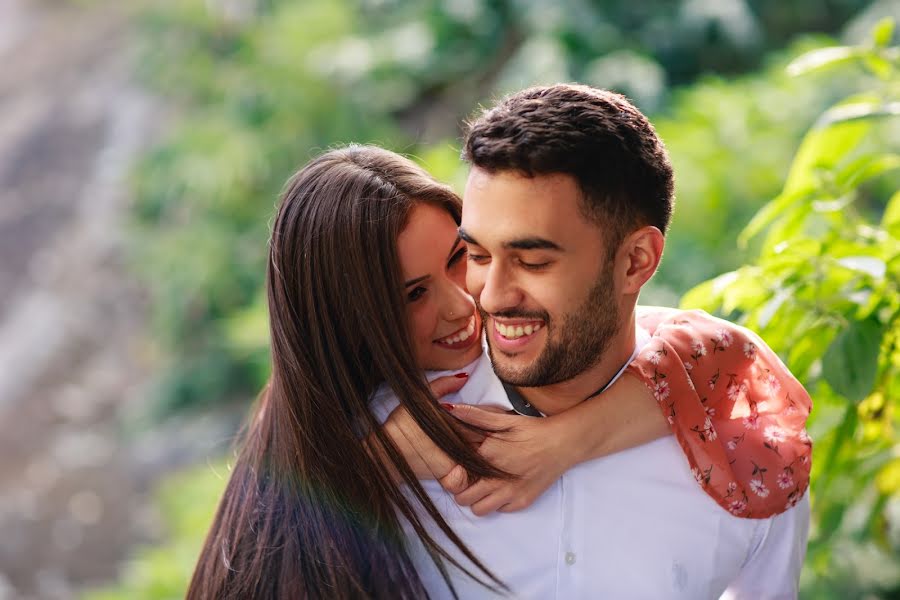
[750, 350]
[785, 480]
[774, 434]
[759, 488]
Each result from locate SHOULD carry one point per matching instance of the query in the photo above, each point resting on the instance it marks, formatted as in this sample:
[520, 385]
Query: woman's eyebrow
[416, 280]
[453, 247]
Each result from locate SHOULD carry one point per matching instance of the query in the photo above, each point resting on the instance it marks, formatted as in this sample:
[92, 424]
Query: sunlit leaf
[773, 210]
[833, 137]
[855, 111]
[822, 58]
[866, 167]
[888, 479]
[870, 265]
[878, 65]
[702, 296]
[883, 31]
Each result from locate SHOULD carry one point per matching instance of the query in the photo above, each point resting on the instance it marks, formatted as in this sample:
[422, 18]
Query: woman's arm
[742, 432]
[423, 456]
[540, 450]
[736, 410]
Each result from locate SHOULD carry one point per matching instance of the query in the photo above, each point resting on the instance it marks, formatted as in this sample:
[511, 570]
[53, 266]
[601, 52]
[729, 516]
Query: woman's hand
[533, 449]
[426, 460]
[538, 451]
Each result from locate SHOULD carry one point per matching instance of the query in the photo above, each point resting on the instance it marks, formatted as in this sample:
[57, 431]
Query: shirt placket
[568, 568]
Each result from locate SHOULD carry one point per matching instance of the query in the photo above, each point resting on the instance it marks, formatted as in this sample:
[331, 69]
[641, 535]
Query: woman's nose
[458, 304]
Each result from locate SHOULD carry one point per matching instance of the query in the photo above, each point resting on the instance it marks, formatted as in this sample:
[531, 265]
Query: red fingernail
[461, 375]
[447, 406]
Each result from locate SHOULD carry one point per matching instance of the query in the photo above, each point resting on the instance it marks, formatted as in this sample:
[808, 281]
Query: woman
[320, 494]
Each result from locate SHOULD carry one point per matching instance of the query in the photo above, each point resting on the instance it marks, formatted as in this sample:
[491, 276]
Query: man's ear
[639, 256]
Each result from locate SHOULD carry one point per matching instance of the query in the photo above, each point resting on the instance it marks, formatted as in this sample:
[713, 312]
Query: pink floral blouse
[736, 410]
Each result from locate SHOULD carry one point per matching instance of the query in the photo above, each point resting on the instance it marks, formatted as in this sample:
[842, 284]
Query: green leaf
[807, 347]
[842, 435]
[826, 145]
[891, 219]
[882, 32]
[888, 479]
[858, 110]
[773, 210]
[851, 361]
[870, 265]
[822, 58]
[707, 295]
[831, 520]
[878, 65]
[866, 167]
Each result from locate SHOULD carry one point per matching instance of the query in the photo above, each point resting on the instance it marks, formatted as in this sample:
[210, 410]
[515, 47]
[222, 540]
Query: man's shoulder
[695, 323]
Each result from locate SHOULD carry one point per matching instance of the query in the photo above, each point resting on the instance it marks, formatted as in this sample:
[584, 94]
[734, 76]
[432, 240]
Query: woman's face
[443, 322]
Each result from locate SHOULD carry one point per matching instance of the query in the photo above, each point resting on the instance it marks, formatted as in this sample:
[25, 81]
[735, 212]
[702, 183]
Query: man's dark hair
[596, 136]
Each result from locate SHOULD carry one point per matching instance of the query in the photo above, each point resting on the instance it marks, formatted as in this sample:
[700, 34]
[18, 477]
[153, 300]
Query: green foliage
[258, 107]
[258, 93]
[260, 86]
[186, 503]
[823, 291]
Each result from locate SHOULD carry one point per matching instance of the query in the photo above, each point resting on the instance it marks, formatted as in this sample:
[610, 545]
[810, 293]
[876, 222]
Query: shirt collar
[523, 407]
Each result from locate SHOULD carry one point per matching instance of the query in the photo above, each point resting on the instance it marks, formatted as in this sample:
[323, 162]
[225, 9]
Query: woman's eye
[457, 256]
[415, 294]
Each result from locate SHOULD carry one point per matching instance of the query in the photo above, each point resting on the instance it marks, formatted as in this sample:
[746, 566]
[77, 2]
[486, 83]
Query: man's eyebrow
[531, 243]
[416, 280]
[453, 247]
[464, 236]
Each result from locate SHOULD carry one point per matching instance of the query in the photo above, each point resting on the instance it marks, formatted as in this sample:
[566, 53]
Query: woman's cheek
[422, 324]
[459, 276]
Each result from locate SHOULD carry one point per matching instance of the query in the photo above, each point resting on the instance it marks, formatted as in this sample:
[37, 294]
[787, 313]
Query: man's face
[540, 275]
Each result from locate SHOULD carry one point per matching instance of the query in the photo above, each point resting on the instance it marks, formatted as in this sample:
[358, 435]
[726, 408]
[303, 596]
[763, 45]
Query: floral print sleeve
[735, 409]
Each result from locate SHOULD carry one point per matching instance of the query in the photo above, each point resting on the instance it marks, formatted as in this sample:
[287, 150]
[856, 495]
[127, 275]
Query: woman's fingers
[442, 386]
[456, 481]
[489, 504]
[486, 417]
[424, 457]
[476, 492]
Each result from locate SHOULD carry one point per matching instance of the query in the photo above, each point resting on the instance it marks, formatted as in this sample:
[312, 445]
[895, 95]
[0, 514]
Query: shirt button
[570, 558]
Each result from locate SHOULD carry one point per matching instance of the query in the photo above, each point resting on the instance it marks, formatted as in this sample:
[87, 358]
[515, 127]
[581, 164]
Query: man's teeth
[462, 335]
[512, 332]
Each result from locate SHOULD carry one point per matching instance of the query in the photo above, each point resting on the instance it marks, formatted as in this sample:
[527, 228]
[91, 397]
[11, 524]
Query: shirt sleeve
[734, 407]
[772, 568]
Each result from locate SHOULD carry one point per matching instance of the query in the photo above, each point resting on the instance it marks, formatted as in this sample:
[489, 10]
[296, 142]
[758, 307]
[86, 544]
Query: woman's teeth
[512, 332]
[460, 336]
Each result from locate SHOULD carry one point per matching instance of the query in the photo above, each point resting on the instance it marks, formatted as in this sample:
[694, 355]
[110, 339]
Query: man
[564, 213]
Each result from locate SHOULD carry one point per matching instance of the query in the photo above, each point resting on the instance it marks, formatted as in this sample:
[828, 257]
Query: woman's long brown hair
[308, 512]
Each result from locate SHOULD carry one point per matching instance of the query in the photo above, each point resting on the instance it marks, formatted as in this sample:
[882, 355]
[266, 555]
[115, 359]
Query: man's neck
[558, 397]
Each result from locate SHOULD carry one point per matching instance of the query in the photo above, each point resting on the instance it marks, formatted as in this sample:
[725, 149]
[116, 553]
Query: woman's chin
[448, 358]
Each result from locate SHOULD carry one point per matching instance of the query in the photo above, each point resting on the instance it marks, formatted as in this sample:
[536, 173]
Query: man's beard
[574, 346]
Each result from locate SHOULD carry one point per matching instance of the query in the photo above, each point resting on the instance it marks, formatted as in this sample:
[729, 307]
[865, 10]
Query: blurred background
[143, 146]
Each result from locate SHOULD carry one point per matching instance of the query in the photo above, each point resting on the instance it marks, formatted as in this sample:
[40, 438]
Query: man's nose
[499, 291]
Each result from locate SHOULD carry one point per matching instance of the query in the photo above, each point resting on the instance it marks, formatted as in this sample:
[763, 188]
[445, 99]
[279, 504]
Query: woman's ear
[640, 254]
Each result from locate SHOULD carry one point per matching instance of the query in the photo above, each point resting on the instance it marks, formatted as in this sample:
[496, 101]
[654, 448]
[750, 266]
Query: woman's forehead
[430, 233]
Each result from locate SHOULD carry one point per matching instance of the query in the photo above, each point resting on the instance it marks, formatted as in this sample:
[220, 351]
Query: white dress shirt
[634, 524]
